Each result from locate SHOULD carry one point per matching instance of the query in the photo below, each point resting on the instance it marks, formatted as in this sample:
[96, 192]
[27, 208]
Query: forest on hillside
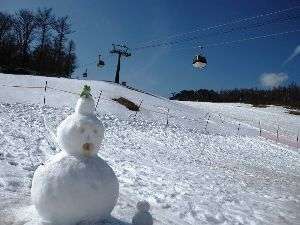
[36, 42]
[288, 96]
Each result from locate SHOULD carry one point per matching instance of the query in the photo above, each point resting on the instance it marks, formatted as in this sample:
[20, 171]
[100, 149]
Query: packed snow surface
[207, 166]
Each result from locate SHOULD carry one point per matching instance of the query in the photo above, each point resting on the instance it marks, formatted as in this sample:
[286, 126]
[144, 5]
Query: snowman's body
[76, 185]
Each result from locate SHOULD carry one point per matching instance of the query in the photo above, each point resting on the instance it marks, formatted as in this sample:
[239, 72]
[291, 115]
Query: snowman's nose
[88, 148]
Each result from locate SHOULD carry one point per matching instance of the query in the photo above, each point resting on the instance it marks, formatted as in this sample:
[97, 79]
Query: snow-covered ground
[208, 166]
[269, 119]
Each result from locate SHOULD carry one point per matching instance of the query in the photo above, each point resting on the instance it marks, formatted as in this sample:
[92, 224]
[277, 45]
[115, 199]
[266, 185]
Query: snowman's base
[29, 216]
[69, 189]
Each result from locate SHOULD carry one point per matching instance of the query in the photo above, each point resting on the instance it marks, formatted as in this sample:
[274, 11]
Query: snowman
[76, 185]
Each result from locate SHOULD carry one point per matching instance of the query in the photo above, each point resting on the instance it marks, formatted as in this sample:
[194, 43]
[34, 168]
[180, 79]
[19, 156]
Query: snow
[208, 166]
[270, 118]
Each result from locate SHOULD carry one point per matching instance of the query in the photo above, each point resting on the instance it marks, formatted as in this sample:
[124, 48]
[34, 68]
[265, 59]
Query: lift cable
[218, 32]
[222, 25]
[248, 39]
[257, 24]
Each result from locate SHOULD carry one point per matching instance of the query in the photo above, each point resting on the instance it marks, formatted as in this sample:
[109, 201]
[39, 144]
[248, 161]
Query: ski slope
[207, 166]
[269, 119]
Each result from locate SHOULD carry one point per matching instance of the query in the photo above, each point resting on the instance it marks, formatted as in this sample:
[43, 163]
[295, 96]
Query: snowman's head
[82, 132]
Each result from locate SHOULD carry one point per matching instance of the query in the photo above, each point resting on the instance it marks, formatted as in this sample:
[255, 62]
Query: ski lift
[199, 61]
[85, 73]
[100, 63]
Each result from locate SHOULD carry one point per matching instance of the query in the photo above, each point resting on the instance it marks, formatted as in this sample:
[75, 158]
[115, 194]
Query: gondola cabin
[199, 61]
[100, 63]
[84, 74]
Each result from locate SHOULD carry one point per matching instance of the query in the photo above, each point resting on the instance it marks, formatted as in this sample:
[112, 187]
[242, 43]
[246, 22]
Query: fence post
[277, 133]
[206, 115]
[259, 128]
[138, 109]
[297, 138]
[98, 99]
[46, 83]
[207, 123]
[221, 118]
[168, 117]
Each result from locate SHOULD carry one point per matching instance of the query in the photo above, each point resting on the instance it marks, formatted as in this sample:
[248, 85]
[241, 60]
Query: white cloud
[273, 79]
[293, 55]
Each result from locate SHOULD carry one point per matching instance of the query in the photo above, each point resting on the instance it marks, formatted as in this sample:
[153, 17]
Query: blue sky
[98, 24]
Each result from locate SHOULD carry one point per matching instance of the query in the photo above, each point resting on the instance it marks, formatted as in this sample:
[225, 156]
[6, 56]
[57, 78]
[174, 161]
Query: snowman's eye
[95, 131]
[81, 130]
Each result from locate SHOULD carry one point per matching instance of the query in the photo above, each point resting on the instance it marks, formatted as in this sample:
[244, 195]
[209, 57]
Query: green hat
[86, 91]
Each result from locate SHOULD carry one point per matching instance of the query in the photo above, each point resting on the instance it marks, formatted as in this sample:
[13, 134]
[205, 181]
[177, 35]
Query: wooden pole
[138, 109]
[46, 83]
[98, 99]
[168, 117]
[207, 123]
[297, 138]
[277, 133]
[259, 128]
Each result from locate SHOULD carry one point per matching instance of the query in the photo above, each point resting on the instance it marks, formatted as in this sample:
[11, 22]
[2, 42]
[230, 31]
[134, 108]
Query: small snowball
[143, 206]
[142, 216]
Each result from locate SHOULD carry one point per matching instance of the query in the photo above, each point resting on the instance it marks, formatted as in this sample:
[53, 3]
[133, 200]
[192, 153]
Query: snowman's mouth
[87, 148]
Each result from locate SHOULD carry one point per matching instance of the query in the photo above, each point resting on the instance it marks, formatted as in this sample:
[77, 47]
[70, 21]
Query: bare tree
[6, 24]
[63, 28]
[37, 42]
[70, 61]
[44, 22]
[24, 27]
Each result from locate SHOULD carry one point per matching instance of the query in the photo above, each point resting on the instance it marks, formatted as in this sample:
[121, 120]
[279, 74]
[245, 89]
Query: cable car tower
[121, 50]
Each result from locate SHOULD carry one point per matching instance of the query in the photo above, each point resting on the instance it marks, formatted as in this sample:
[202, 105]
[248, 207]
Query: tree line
[36, 42]
[288, 96]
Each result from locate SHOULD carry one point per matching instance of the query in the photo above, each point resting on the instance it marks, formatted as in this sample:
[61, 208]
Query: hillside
[195, 163]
